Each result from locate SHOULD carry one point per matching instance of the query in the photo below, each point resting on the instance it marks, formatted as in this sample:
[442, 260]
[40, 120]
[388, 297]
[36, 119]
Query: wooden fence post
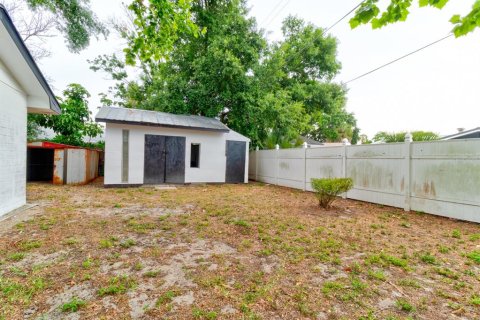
[407, 166]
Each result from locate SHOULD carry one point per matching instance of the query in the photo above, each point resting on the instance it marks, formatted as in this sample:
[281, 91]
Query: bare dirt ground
[232, 252]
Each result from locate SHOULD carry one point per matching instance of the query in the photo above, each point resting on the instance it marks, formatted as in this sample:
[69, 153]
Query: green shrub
[328, 189]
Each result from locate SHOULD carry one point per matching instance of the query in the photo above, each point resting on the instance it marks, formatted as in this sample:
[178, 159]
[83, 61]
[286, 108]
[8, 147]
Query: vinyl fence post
[277, 163]
[407, 172]
[344, 162]
[305, 146]
[256, 162]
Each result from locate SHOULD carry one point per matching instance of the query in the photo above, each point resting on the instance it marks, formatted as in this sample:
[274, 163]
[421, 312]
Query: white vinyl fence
[438, 177]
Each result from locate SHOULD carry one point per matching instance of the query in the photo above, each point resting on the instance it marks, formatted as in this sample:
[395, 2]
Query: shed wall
[13, 146]
[82, 165]
[212, 153]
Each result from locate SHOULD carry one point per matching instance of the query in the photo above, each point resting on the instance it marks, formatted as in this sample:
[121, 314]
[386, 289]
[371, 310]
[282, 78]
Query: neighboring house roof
[310, 141]
[461, 134]
[20, 63]
[159, 119]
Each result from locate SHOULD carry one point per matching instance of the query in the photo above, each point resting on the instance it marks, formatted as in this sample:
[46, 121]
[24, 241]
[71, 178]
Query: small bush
[328, 189]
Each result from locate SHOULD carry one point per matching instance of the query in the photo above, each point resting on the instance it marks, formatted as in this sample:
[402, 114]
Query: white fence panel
[378, 173]
[291, 168]
[438, 177]
[267, 166]
[323, 162]
[446, 178]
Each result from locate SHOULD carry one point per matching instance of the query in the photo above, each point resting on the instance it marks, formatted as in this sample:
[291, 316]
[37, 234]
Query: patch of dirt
[232, 251]
[196, 253]
[83, 291]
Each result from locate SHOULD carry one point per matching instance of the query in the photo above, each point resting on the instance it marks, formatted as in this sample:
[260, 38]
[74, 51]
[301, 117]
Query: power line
[265, 25]
[346, 15]
[400, 58]
[333, 25]
[271, 12]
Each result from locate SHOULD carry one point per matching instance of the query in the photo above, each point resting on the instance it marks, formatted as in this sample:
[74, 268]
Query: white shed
[23, 90]
[149, 147]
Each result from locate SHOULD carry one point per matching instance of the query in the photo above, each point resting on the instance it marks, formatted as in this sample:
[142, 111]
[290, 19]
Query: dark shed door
[236, 151]
[175, 160]
[164, 160]
[154, 161]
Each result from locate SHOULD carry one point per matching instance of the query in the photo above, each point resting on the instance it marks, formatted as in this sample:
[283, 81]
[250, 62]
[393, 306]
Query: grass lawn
[232, 252]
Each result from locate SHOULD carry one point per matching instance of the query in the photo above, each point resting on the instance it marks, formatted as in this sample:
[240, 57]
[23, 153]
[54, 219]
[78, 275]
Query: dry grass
[232, 251]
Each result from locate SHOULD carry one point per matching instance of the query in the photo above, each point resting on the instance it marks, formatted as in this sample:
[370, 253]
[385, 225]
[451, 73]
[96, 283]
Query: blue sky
[436, 89]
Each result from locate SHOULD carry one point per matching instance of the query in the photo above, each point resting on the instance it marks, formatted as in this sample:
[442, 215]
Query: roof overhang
[22, 67]
[149, 124]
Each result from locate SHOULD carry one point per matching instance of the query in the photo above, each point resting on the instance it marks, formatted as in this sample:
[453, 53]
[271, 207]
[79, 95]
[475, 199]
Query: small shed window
[195, 155]
[125, 136]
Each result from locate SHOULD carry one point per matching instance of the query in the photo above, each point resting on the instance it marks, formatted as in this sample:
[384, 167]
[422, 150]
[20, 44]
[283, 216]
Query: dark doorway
[164, 160]
[236, 151]
[40, 164]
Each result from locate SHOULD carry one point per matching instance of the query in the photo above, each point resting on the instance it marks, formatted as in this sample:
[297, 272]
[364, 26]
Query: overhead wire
[342, 18]
[400, 58]
[269, 21]
[271, 12]
[336, 22]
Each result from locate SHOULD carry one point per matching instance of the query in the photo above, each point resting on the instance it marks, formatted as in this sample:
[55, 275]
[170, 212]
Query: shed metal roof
[160, 119]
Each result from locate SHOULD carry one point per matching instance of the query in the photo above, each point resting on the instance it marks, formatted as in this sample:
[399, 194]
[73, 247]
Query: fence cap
[408, 137]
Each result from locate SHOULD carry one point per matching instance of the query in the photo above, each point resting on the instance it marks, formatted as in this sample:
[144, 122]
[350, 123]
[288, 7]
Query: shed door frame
[164, 159]
[236, 153]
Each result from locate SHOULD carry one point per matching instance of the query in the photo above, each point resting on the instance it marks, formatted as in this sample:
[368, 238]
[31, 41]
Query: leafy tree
[73, 18]
[158, 24]
[270, 93]
[304, 65]
[398, 10]
[75, 121]
[389, 137]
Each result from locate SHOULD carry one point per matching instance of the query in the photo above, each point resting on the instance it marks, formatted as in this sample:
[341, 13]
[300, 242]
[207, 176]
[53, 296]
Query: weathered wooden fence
[438, 177]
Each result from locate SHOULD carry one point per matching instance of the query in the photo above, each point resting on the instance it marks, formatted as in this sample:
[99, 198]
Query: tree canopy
[72, 18]
[75, 121]
[398, 10]
[225, 68]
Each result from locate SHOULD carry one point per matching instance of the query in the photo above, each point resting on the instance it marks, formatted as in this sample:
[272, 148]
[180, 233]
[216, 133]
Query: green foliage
[456, 234]
[75, 121]
[398, 10]
[166, 297]
[117, 285]
[390, 137]
[404, 305]
[74, 19]
[158, 24]
[271, 93]
[475, 256]
[73, 305]
[428, 258]
[328, 189]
